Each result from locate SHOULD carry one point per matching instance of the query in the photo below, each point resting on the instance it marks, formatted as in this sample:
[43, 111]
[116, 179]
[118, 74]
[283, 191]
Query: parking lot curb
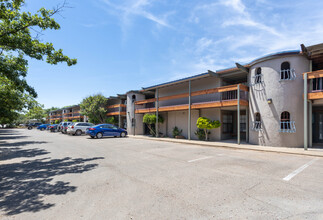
[293, 151]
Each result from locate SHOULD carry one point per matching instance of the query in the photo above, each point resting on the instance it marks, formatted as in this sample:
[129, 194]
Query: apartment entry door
[229, 124]
[317, 125]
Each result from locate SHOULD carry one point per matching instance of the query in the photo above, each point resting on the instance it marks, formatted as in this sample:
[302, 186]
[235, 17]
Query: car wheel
[123, 134]
[99, 135]
[92, 136]
[29, 128]
[78, 132]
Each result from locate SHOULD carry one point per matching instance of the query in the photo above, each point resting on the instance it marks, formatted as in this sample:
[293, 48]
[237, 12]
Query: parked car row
[79, 128]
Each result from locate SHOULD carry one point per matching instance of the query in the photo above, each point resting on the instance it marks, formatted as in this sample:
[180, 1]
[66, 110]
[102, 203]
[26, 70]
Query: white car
[78, 128]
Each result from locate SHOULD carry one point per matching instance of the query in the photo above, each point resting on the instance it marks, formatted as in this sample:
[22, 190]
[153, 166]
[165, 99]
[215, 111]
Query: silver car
[78, 128]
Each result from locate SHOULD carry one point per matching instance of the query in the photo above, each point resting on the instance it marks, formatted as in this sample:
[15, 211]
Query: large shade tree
[95, 108]
[19, 40]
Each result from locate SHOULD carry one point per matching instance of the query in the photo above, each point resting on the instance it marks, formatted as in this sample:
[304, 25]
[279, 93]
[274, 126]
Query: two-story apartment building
[68, 113]
[116, 107]
[275, 100]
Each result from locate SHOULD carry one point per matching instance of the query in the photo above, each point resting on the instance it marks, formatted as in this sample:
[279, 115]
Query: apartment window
[317, 84]
[258, 76]
[227, 123]
[286, 73]
[257, 122]
[286, 125]
[133, 98]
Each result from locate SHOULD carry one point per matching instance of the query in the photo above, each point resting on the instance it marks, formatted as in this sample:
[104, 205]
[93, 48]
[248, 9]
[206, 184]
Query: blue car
[53, 127]
[103, 130]
[42, 127]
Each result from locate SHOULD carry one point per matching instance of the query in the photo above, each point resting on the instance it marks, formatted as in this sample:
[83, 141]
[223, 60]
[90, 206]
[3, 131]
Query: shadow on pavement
[7, 134]
[13, 150]
[24, 185]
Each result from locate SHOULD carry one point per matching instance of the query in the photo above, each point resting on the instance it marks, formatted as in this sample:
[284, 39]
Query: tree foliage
[12, 101]
[150, 121]
[95, 108]
[19, 38]
[112, 120]
[207, 124]
[37, 112]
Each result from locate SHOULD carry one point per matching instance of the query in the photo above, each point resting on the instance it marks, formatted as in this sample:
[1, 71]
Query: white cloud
[137, 8]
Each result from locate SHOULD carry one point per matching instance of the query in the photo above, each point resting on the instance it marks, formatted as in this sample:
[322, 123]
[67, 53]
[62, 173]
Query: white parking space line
[202, 158]
[295, 172]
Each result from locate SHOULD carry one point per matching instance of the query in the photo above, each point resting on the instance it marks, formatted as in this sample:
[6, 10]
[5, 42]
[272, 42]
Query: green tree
[56, 121]
[150, 121]
[19, 38]
[12, 101]
[95, 108]
[112, 120]
[207, 124]
[37, 112]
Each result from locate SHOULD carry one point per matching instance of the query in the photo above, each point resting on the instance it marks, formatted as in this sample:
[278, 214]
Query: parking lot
[47, 175]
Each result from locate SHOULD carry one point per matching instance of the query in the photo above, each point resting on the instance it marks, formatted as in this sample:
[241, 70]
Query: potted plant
[177, 133]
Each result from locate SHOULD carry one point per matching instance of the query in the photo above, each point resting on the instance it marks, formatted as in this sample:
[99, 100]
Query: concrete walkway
[316, 152]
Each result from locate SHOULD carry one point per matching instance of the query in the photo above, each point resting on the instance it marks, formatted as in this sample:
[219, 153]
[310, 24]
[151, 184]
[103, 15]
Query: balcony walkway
[200, 105]
[224, 96]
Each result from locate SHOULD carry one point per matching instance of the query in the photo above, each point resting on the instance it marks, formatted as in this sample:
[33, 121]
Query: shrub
[74, 120]
[201, 134]
[150, 120]
[111, 120]
[177, 132]
[207, 124]
[56, 121]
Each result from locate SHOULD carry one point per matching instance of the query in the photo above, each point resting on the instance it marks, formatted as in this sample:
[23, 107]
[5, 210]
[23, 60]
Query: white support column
[305, 114]
[189, 111]
[238, 115]
[134, 119]
[157, 106]
[247, 124]
[119, 119]
[310, 111]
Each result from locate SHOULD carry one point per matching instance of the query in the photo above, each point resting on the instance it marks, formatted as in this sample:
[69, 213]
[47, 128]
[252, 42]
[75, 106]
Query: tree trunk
[206, 137]
[151, 129]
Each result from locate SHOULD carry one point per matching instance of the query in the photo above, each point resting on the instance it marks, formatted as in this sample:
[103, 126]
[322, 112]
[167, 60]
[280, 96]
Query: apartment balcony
[116, 109]
[315, 84]
[225, 96]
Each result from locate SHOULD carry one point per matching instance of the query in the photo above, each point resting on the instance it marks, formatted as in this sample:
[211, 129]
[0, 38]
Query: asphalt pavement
[47, 175]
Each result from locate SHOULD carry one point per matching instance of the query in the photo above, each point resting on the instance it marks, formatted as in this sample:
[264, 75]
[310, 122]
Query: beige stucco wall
[286, 96]
[179, 119]
[139, 129]
[213, 114]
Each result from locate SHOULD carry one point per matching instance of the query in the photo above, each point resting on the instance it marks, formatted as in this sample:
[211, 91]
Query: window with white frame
[257, 122]
[286, 124]
[286, 73]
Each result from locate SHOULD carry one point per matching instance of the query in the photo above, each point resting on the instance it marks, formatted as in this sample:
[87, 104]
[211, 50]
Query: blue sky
[126, 45]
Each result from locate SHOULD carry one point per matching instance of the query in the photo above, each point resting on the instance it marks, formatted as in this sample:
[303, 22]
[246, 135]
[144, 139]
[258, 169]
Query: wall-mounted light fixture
[269, 101]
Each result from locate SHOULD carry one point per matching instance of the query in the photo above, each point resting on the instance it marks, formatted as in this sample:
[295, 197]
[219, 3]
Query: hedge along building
[261, 102]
